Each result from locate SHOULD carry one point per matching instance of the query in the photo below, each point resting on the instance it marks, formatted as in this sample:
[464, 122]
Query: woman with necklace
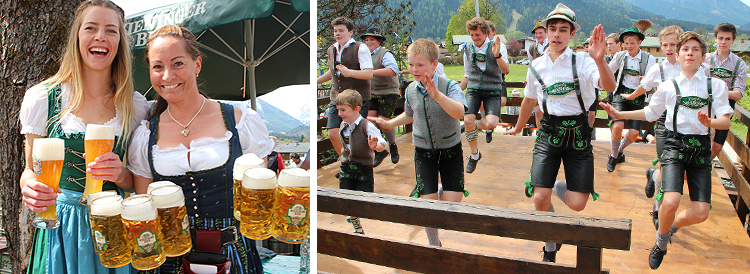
[92, 86]
[193, 142]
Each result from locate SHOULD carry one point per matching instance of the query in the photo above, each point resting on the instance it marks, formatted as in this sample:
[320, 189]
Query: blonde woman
[93, 86]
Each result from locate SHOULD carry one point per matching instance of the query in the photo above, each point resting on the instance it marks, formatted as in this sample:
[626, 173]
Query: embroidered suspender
[678, 102]
[576, 85]
[661, 71]
[734, 72]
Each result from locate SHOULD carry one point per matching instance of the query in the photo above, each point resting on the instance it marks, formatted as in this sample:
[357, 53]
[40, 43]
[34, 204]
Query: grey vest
[490, 78]
[382, 85]
[350, 59]
[433, 127]
[622, 63]
[359, 151]
[534, 52]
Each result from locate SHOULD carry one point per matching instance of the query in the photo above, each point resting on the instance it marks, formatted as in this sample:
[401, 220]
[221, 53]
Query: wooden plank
[322, 124]
[589, 260]
[742, 115]
[738, 180]
[739, 147]
[490, 220]
[423, 258]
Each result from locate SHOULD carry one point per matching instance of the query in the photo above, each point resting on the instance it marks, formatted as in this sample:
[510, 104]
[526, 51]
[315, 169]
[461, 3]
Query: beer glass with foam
[94, 196]
[257, 199]
[48, 155]
[109, 234]
[291, 219]
[241, 164]
[99, 139]
[140, 218]
[173, 219]
[157, 184]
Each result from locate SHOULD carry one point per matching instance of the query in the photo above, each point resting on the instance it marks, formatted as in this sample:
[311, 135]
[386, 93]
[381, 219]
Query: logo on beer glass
[146, 241]
[185, 225]
[37, 165]
[296, 213]
[101, 240]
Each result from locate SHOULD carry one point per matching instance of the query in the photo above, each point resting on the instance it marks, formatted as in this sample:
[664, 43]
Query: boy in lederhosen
[690, 100]
[564, 83]
[632, 64]
[729, 68]
[667, 69]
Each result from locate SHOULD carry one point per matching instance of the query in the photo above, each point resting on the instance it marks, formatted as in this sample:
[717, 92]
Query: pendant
[185, 132]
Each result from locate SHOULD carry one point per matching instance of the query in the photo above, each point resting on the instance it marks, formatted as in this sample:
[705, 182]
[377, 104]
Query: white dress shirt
[363, 53]
[634, 63]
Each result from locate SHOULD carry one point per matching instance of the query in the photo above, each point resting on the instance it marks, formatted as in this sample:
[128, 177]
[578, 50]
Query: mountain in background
[614, 15]
[701, 11]
[304, 114]
[280, 122]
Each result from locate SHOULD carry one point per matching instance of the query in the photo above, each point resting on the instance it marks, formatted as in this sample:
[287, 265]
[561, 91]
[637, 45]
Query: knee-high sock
[432, 236]
[662, 240]
[547, 245]
[390, 136]
[560, 189]
[625, 143]
[616, 147]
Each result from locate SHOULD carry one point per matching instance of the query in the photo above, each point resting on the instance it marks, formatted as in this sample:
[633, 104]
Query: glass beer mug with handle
[158, 184]
[173, 219]
[140, 218]
[99, 139]
[48, 155]
[257, 199]
[241, 164]
[109, 233]
[291, 219]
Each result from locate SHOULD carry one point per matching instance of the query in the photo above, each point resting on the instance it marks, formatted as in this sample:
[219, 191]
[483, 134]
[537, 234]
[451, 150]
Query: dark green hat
[538, 25]
[632, 31]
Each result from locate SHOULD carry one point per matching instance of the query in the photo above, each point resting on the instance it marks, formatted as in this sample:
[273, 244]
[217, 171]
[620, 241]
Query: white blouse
[34, 109]
[205, 153]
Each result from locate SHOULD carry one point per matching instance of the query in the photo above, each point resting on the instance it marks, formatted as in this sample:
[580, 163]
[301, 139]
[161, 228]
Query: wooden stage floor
[718, 245]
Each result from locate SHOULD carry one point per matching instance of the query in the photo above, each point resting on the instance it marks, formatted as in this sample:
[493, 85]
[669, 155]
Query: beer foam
[49, 149]
[93, 196]
[109, 205]
[99, 132]
[245, 162]
[168, 196]
[294, 177]
[259, 178]
[157, 184]
[139, 208]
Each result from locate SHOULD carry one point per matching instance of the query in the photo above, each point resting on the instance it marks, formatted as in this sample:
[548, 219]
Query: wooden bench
[589, 234]
[741, 176]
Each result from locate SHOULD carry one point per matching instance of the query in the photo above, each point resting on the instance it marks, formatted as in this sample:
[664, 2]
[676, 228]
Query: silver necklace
[186, 131]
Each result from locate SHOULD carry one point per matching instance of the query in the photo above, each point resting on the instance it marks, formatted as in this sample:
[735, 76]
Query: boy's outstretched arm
[527, 105]
[386, 125]
[374, 144]
[364, 74]
[325, 77]
[638, 92]
[597, 50]
[627, 115]
[721, 123]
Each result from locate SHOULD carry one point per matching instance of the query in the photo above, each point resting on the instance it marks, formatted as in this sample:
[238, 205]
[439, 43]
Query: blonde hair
[350, 98]
[71, 68]
[676, 30]
[191, 47]
[425, 47]
[614, 35]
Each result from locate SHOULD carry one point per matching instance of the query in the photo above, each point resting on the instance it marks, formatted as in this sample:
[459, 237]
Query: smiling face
[669, 47]
[347, 113]
[724, 40]
[99, 38]
[690, 55]
[172, 69]
[372, 42]
[342, 34]
[478, 37]
[558, 35]
[632, 45]
[420, 67]
[540, 34]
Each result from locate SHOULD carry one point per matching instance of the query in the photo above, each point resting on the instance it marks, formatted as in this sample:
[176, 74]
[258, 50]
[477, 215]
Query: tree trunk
[32, 36]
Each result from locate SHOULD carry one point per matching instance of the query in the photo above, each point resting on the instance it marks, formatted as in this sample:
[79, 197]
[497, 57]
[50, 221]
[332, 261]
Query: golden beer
[291, 219]
[109, 234]
[257, 198]
[48, 155]
[140, 218]
[173, 219]
[241, 164]
[99, 139]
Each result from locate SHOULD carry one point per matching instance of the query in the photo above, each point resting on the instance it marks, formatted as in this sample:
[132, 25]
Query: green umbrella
[250, 48]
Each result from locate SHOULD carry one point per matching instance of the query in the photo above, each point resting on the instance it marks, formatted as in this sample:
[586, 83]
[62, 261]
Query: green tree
[457, 24]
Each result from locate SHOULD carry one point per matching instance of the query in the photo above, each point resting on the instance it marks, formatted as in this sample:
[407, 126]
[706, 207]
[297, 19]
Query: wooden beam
[737, 179]
[425, 259]
[588, 260]
[542, 226]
